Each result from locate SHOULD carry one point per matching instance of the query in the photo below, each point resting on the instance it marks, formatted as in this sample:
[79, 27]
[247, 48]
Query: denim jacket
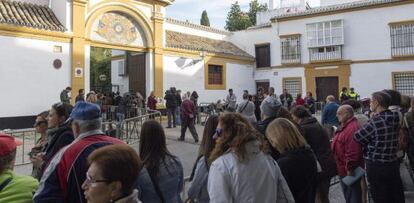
[170, 181]
[198, 189]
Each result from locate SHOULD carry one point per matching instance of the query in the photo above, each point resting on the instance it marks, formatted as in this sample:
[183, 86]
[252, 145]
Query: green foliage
[255, 7]
[239, 20]
[100, 64]
[204, 19]
[236, 19]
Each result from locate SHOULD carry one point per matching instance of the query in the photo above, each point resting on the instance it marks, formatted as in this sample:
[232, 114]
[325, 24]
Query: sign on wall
[78, 72]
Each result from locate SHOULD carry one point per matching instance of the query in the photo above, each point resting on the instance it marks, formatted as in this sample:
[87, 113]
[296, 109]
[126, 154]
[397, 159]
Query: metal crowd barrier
[127, 130]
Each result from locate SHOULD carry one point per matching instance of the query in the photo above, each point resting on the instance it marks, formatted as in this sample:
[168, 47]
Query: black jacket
[171, 101]
[318, 140]
[299, 169]
[57, 139]
[261, 126]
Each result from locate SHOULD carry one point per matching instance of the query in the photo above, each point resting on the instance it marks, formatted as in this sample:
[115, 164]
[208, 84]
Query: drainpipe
[50, 3]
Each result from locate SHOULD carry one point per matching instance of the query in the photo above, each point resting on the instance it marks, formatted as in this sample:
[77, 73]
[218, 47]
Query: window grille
[215, 75]
[290, 49]
[293, 86]
[404, 83]
[402, 39]
[325, 53]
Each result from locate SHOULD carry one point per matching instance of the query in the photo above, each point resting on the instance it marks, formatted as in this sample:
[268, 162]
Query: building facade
[46, 46]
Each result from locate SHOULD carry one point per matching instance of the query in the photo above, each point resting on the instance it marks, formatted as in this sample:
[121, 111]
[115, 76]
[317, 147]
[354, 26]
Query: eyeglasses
[39, 123]
[90, 181]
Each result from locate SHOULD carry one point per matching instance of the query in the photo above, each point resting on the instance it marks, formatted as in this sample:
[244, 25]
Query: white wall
[368, 78]
[333, 2]
[122, 81]
[193, 31]
[275, 77]
[239, 77]
[29, 84]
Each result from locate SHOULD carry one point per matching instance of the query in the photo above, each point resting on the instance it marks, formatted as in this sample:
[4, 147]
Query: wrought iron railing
[127, 130]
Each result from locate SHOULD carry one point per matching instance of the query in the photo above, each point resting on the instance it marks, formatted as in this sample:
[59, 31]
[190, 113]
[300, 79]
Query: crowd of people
[285, 155]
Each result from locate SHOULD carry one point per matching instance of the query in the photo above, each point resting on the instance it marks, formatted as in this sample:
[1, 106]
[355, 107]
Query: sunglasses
[218, 133]
[39, 123]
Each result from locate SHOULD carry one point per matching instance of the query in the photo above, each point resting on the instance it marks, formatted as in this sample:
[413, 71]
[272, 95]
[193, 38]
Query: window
[402, 39]
[293, 86]
[263, 56]
[404, 82]
[325, 33]
[325, 53]
[290, 49]
[121, 68]
[215, 75]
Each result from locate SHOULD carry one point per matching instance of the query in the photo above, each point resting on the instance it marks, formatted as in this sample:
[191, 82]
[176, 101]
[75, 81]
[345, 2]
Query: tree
[204, 19]
[236, 19]
[254, 8]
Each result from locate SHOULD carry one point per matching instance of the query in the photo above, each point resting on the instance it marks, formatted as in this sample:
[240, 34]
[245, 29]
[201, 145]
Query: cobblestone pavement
[187, 152]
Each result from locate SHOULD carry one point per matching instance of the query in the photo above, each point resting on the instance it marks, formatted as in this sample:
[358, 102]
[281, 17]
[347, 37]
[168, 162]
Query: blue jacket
[170, 182]
[65, 174]
[329, 114]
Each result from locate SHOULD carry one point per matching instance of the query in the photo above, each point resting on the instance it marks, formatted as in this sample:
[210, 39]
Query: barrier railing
[127, 130]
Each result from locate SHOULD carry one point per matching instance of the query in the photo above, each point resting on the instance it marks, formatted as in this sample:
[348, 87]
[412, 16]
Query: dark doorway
[136, 71]
[326, 86]
[264, 85]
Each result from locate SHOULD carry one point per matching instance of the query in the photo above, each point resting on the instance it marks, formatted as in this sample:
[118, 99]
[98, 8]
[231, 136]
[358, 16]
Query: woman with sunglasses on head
[59, 135]
[41, 128]
[162, 178]
[240, 171]
[198, 189]
[112, 173]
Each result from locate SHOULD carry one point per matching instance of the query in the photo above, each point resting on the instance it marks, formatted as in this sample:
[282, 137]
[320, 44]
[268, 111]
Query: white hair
[89, 125]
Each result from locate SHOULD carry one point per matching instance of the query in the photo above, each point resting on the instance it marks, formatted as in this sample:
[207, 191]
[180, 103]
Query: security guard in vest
[352, 94]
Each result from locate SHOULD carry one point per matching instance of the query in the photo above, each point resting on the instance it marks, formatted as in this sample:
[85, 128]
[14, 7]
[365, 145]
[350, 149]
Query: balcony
[331, 53]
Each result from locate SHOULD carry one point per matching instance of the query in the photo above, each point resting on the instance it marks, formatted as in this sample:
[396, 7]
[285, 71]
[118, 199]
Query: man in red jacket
[188, 112]
[348, 153]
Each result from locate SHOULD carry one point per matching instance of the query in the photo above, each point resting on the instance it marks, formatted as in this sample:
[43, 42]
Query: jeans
[120, 117]
[385, 182]
[188, 122]
[171, 113]
[178, 115]
[352, 193]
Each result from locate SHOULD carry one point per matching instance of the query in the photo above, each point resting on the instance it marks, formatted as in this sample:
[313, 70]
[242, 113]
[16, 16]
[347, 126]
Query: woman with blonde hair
[297, 161]
[91, 97]
[240, 171]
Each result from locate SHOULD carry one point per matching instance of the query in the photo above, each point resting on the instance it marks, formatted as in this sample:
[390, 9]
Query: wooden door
[326, 86]
[136, 72]
[264, 85]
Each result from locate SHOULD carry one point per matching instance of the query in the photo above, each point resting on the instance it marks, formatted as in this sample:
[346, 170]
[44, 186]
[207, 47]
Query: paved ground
[187, 151]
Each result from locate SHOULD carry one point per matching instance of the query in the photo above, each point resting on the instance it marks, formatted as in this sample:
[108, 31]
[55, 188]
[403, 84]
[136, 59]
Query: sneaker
[180, 139]
[174, 126]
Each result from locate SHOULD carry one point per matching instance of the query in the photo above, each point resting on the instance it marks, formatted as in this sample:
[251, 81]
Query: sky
[216, 9]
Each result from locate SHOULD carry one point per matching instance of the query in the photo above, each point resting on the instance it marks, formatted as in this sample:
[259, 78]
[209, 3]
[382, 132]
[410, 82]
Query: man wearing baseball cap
[13, 188]
[63, 177]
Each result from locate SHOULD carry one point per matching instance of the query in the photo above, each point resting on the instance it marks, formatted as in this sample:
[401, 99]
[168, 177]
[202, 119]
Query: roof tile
[197, 43]
[29, 15]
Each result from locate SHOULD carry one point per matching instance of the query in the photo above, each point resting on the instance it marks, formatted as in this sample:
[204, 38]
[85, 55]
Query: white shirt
[258, 179]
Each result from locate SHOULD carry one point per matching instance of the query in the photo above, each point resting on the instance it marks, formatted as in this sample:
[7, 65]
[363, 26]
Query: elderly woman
[240, 171]
[111, 176]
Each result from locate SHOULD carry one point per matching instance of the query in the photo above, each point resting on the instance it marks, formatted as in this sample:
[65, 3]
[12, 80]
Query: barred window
[290, 49]
[293, 85]
[325, 33]
[215, 75]
[402, 39]
[404, 83]
[325, 53]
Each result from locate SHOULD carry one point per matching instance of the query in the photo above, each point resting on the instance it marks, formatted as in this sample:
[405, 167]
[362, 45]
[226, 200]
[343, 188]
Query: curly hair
[236, 132]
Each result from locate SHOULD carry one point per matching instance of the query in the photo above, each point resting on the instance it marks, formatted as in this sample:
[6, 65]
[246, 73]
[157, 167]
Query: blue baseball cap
[85, 111]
